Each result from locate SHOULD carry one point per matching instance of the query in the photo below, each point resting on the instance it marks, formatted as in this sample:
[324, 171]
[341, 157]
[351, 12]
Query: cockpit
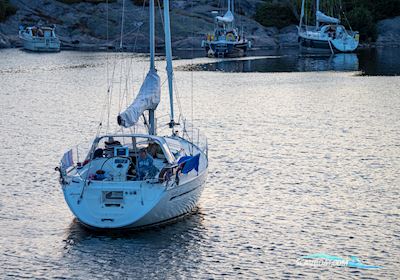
[130, 158]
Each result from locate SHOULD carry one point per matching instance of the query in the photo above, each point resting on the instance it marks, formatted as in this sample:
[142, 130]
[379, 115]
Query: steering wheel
[115, 169]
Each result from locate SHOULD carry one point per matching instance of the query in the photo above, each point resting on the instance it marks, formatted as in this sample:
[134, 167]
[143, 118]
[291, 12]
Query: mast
[301, 15]
[168, 53]
[316, 17]
[152, 124]
[229, 5]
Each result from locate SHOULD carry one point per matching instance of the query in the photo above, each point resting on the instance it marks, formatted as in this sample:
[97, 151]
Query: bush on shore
[146, 2]
[362, 20]
[6, 9]
[276, 14]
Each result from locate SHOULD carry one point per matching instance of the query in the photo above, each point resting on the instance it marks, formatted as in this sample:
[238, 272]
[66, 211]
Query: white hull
[323, 40]
[142, 212]
[115, 204]
[41, 45]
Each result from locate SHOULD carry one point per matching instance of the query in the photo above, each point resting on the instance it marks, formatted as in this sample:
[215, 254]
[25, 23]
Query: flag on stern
[190, 163]
[67, 160]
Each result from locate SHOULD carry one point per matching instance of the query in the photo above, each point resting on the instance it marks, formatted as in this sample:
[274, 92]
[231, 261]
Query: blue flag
[190, 163]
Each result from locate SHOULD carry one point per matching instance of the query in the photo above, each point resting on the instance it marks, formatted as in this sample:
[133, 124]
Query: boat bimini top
[136, 143]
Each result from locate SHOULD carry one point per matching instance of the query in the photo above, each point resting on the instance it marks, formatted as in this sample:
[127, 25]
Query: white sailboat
[327, 34]
[39, 38]
[226, 39]
[138, 180]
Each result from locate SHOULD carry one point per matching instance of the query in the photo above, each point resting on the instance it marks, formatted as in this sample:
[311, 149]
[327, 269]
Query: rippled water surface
[300, 163]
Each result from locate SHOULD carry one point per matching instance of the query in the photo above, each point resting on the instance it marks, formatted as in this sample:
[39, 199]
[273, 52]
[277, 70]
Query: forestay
[148, 98]
[321, 17]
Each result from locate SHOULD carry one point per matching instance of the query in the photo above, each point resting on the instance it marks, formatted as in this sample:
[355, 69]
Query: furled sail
[227, 18]
[321, 17]
[147, 99]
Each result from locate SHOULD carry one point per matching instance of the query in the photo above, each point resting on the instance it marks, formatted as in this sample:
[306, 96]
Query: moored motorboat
[137, 180]
[39, 38]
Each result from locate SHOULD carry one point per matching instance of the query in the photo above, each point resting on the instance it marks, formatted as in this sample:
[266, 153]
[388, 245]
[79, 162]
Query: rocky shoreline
[84, 26]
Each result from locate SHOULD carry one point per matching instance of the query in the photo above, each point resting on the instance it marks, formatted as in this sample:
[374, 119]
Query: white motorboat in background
[39, 38]
[135, 180]
[226, 40]
[327, 34]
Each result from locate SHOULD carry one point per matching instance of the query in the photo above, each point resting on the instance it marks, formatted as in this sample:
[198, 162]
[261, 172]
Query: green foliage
[140, 2]
[275, 14]
[380, 9]
[362, 20]
[6, 9]
[146, 2]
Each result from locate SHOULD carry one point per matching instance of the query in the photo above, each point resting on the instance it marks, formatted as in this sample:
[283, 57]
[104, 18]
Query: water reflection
[285, 63]
[151, 253]
[336, 62]
[380, 62]
[383, 61]
[76, 233]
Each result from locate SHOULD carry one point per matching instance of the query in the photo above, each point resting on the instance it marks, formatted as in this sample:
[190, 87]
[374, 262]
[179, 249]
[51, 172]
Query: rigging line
[129, 67]
[178, 99]
[174, 81]
[120, 85]
[159, 10]
[192, 74]
[122, 23]
[110, 97]
[107, 54]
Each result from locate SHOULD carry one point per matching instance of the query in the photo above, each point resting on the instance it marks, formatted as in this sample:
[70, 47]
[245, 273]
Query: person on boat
[155, 150]
[98, 153]
[146, 166]
[40, 32]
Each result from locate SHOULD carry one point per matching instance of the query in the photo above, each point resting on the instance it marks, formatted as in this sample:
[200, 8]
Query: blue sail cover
[227, 18]
[321, 17]
[147, 98]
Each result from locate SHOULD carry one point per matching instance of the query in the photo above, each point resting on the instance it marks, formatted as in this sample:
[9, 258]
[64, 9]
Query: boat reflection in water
[155, 253]
[336, 62]
[284, 63]
[76, 233]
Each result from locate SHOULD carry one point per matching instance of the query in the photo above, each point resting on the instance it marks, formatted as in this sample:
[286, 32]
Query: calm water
[368, 62]
[300, 163]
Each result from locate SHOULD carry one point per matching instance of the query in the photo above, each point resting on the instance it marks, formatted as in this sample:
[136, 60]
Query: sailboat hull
[316, 45]
[174, 204]
[336, 46]
[144, 205]
[225, 49]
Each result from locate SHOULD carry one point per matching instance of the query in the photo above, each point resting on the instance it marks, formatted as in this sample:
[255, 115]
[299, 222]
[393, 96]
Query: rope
[191, 76]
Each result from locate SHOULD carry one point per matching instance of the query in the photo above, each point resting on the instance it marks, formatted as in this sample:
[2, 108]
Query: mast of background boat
[229, 5]
[301, 15]
[168, 53]
[152, 125]
[316, 16]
